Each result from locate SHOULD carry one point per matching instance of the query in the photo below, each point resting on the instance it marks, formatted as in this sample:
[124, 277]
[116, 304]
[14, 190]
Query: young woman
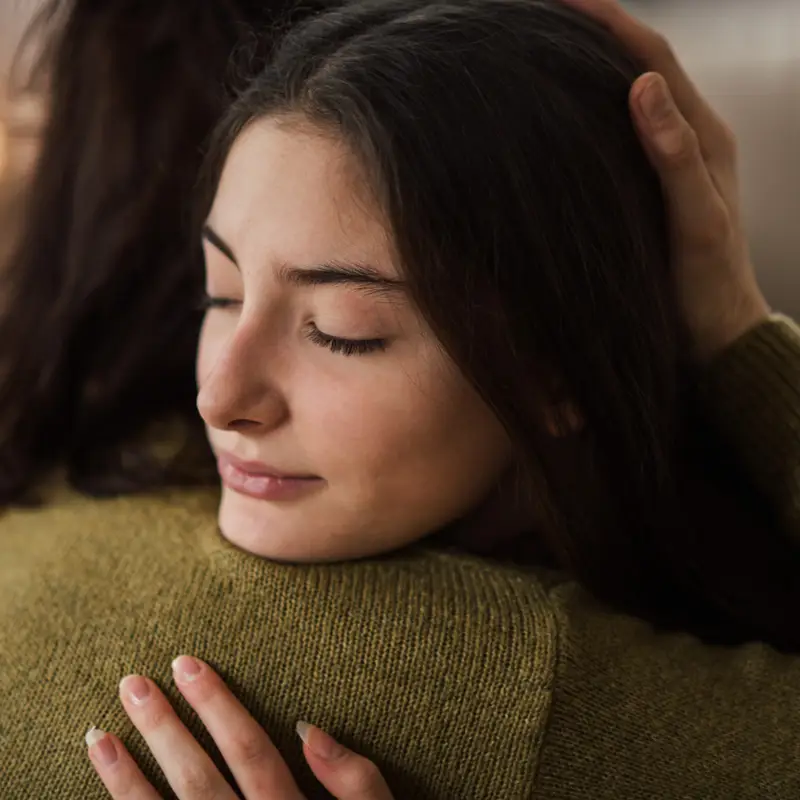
[440, 305]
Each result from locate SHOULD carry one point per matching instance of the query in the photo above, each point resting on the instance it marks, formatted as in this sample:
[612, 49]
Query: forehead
[298, 194]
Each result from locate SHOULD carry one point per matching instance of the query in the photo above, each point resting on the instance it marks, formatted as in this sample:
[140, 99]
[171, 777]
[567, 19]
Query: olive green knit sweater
[459, 678]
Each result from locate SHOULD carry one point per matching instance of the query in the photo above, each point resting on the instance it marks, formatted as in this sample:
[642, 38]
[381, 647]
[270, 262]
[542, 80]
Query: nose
[236, 391]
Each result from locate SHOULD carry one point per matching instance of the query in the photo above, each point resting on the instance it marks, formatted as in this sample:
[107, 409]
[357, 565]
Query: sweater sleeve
[639, 714]
[752, 396]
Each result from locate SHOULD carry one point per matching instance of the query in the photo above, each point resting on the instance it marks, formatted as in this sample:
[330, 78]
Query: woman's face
[397, 442]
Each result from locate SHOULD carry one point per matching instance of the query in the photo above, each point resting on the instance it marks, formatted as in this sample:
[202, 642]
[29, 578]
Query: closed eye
[336, 344]
[346, 347]
[207, 302]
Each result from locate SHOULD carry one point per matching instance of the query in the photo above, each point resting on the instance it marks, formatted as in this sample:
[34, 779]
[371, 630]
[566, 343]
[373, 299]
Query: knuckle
[249, 750]
[660, 46]
[714, 235]
[365, 777]
[158, 716]
[196, 782]
[681, 146]
[729, 144]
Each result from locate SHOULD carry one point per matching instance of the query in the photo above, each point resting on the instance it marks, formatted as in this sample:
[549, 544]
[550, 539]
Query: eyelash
[345, 347]
[207, 303]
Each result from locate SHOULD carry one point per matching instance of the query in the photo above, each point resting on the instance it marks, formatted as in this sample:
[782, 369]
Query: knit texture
[412, 659]
[752, 391]
[460, 678]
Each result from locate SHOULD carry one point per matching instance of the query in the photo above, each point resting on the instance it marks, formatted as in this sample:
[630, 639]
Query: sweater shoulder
[83, 541]
[412, 657]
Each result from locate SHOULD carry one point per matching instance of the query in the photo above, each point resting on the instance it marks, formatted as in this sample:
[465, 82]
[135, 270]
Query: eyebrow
[362, 276]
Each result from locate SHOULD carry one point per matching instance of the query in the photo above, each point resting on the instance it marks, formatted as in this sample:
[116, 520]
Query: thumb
[698, 213]
[346, 775]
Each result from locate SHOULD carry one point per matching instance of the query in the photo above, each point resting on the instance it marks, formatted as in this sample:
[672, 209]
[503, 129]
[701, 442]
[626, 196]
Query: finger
[697, 210]
[118, 771]
[255, 762]
[346, 775]
[654, 51]
[187, 767]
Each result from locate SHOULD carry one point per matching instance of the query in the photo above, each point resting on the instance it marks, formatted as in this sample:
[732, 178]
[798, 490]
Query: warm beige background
[744, 53]
[17, 119]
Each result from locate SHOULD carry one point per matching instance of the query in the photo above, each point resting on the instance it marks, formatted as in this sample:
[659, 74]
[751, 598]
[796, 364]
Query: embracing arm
[640, 714]
[747, 359]
[752, 394]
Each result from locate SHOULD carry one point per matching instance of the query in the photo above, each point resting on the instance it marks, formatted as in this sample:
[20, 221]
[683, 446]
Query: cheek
[347, 424]
[461, 443]
[393, 428]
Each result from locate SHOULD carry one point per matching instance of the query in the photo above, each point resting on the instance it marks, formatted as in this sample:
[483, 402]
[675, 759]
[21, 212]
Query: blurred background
[744, 55]
[19, 114]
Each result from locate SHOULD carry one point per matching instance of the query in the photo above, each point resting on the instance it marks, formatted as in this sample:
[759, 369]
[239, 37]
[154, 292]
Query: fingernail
[186, 668]
[137, 689]
[320, 744]
[101, 746]
[656, 100]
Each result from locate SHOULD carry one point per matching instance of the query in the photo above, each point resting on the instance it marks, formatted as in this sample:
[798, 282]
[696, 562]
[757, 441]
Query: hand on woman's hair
[694, 152]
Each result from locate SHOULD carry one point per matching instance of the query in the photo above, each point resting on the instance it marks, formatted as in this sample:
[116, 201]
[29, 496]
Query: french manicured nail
[656, 100]
[320, 744]
[137, 689]
[104, 750]
[186, 668]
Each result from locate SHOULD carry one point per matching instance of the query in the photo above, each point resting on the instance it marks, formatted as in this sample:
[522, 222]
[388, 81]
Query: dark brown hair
[496, 135]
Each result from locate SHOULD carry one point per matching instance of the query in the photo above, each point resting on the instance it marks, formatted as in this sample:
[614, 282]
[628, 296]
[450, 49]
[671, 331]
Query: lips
[265, 482]
[258, 469]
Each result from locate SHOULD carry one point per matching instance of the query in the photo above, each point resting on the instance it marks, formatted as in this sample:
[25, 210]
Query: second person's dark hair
[99, 315]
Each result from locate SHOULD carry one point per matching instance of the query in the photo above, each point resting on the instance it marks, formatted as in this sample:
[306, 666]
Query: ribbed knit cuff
[752, 393]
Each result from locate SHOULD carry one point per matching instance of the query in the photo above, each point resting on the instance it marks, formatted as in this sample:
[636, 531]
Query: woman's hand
[694, 152]
[257, 766]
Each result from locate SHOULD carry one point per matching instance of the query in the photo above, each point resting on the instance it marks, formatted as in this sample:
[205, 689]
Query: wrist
[741, 316]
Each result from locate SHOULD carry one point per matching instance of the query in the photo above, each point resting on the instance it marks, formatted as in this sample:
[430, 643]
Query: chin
[301, 533]
[263, 529]
[291, 532]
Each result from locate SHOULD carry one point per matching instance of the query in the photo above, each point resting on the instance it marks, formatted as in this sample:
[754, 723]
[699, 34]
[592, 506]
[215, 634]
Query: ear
[561, 415]
[564, 419]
